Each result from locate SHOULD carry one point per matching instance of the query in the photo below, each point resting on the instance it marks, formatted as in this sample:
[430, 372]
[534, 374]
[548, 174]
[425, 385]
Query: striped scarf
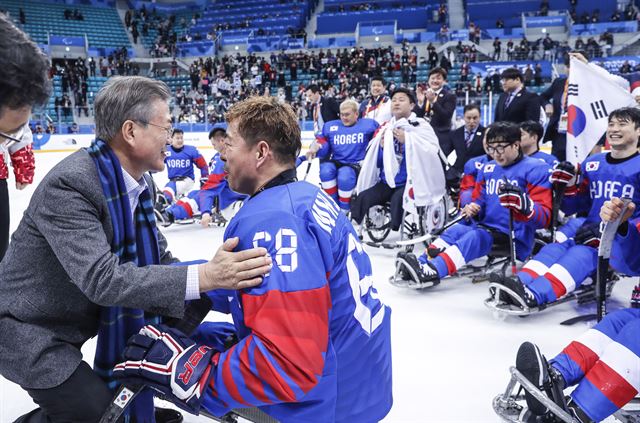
[132, 242]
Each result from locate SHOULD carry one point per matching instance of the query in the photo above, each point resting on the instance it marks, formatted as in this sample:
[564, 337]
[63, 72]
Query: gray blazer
[59, 269]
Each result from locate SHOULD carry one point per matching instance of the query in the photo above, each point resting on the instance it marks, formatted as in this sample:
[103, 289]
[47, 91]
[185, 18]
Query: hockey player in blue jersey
[511, 182]
[179, 162]
[314, 337]
[341, 147]
[604, 362]
[402, 164]
[214, 189]
[378, 105]
[559, 268]
[531, 133]
[624, 253]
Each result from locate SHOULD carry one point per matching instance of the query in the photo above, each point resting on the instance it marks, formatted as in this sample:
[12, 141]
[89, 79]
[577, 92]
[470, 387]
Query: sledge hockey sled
[585, 294]
[511, 405]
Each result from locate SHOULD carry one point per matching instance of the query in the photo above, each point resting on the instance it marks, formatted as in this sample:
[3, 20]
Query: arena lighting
[236, 47]
[377, 39]
[544, 30]
[66, 49]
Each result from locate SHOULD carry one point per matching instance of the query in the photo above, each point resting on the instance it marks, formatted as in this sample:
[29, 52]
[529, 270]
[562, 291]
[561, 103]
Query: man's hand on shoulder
[229, 270]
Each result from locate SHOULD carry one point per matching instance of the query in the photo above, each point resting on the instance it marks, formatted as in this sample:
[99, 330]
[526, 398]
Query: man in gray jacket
[62, 270]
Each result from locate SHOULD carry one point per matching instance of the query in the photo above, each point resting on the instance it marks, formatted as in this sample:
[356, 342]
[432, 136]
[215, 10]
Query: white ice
[450, 354]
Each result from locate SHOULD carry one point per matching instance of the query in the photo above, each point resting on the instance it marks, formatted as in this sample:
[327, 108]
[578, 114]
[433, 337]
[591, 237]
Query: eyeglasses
[168, 130]
[11, 139]
[497, 149]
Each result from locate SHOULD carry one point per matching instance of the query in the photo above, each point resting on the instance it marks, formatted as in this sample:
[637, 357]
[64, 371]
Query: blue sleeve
[624, 254]
[325, 142]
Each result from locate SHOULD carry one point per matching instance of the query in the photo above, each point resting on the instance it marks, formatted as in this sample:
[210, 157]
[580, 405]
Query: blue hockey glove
[168, 361]
[514, 198]
[588, 234]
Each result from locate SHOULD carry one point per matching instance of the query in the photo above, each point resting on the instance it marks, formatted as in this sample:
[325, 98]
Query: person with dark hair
[24, 83]
[214, 194]
[87, 260]
[531, 134]
[437, 104]
[324, 108]
[516, 104]
[180, 161]
[341, 147]
[378, 105]
[404, 142]
[511, 183]
[313, 341]
[467, 140]
[561, 267]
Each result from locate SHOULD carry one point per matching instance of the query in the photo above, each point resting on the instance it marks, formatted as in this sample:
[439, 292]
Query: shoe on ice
[165, 218]
[533, 366]
[523, 294]
[421, 275]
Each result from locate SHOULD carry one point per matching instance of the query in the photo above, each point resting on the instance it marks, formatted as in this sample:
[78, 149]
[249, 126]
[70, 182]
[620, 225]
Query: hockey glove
[203, 181]
[564, 173]
[168, 361]
[588, 234]
[514, 198]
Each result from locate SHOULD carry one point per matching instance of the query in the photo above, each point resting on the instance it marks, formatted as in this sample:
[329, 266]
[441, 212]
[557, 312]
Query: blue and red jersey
[468, 182]
[180, 162]
[532, 176]
[604, 177]
[346, 144]
[549, 159]
[314, 336]
[215, 179]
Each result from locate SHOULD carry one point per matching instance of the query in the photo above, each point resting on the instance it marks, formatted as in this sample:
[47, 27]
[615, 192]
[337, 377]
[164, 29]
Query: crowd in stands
[140, 22]
[628, 68]
[72, 15]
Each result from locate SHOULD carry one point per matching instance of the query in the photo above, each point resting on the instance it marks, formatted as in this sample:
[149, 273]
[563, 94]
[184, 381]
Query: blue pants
[569, 229]
[605, 364]
[558, 269]
[338, 182]
[465, 242]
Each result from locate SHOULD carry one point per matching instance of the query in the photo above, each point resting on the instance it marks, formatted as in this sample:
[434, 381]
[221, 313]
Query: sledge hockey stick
[512, 238]
[512, 244]
[306, 172]
[427, 237]
[558, 196]
[604, 253]
[194, 314]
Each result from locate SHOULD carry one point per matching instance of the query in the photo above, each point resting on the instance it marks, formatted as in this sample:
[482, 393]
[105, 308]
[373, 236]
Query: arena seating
[102, 25]
[408, 14]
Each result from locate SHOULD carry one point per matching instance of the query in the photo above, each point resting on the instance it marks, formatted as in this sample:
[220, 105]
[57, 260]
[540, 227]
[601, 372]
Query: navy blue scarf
[133, 241]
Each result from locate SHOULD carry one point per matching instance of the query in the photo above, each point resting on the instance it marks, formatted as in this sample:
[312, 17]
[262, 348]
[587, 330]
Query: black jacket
[463, 154]
[525, 106]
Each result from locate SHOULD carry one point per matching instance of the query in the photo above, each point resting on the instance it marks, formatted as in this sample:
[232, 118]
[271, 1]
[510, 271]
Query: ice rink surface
[450, 354]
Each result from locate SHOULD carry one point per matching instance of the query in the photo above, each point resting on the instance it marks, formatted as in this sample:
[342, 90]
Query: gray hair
[124, 98]
[349, 103]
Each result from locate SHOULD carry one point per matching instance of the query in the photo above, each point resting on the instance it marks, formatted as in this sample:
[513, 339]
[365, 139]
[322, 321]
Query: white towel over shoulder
[425, 175]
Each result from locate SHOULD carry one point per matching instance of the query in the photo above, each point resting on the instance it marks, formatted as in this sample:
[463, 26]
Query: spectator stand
[101, 25]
